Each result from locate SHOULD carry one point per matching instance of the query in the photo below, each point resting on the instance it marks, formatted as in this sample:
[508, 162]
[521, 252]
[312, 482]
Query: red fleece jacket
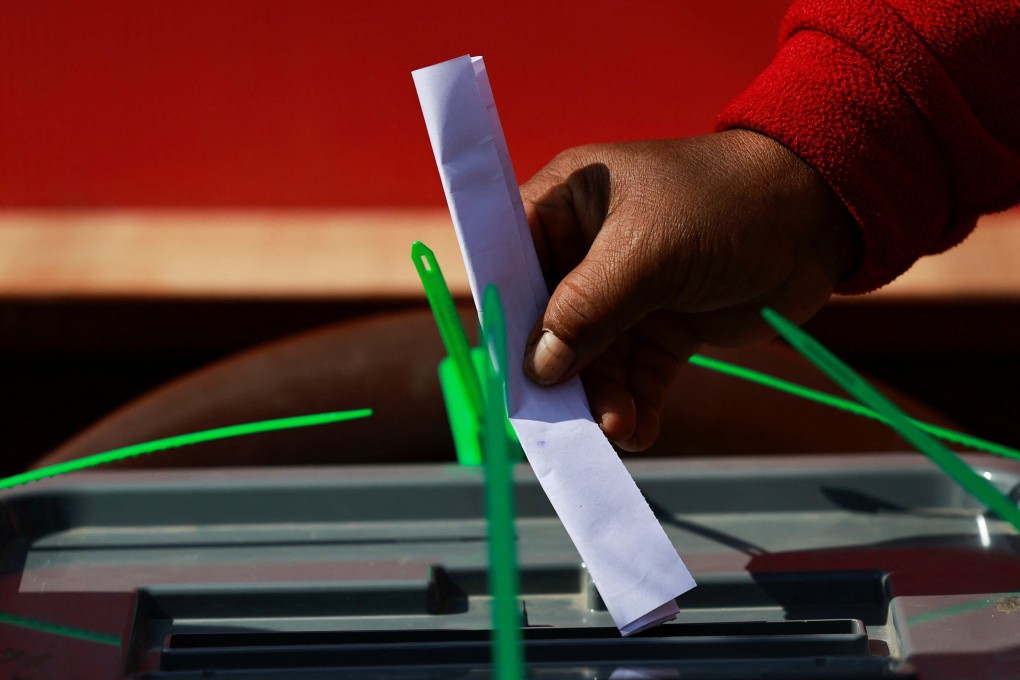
[910, 109]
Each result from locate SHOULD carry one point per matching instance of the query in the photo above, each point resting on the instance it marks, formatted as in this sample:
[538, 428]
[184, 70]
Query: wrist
[811, 209]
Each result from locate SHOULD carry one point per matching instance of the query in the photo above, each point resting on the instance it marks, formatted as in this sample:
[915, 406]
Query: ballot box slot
[395, 648]
[546, 591]
[799, 595]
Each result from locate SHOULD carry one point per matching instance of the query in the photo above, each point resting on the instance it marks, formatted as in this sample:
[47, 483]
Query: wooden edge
[220, 254]
[349, 254]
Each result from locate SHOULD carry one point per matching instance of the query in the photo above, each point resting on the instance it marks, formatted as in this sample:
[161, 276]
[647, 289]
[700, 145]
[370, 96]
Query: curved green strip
[57, 629]
[183, 440]
[846, 405]
[954, 466]
[958, 609]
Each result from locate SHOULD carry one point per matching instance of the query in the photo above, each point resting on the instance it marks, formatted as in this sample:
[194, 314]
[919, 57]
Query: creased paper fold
[631, 561]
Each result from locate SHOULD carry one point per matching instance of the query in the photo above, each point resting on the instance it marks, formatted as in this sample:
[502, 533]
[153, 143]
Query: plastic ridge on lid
[858, 387]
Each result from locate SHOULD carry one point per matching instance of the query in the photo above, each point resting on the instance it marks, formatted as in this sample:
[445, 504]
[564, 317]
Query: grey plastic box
[808, 567]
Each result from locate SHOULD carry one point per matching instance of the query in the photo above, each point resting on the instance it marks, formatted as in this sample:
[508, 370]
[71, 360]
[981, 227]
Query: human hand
[653, 248]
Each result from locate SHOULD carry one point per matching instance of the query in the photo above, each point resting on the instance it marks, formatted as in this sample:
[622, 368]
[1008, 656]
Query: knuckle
[590, 302]
[574, 303]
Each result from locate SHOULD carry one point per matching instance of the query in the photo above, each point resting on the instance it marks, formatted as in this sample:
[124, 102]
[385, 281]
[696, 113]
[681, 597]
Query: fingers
[566, 205]
[609, 398]
[627, 384]
[599, 252]
[626, 394]
[661, 345]
[651, 372]
[558, 241]
[586, 262]
[592, 306]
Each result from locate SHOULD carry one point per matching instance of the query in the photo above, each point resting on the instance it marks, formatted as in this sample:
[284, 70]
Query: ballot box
[873, 566]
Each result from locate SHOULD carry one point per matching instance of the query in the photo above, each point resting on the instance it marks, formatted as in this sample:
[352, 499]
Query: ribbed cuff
[850, 121]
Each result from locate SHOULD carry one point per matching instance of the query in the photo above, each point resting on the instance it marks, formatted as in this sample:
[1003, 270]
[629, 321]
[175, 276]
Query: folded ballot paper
[631, 561]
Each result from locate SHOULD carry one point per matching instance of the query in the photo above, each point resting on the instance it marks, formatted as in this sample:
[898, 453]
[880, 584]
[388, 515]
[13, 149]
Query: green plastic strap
[463, 425]
[58, 629]
[858, 387]
[461, 373]
[183, 440]
[507, 651]
[847, 405]
[465, 422]
[450, 328]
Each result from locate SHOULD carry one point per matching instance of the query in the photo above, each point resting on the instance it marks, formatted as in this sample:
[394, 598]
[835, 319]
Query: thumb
[590, 308]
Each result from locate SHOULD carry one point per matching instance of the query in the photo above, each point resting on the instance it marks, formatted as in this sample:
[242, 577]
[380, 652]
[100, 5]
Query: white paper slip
[634, 566]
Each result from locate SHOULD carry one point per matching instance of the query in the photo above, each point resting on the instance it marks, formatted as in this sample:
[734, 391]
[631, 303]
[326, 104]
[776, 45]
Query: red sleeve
[910, 109]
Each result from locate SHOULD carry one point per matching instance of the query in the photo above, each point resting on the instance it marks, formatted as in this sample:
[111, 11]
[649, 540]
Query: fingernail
[551, 358]
[628, 445]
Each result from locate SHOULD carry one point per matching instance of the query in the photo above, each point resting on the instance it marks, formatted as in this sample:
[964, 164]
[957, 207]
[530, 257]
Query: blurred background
[180, 181]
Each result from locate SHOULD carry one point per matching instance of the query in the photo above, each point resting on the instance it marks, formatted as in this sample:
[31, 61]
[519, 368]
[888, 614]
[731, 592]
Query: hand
[653, 248]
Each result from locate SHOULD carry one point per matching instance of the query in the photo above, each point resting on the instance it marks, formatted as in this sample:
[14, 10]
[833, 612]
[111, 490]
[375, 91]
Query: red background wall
[310, 103]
